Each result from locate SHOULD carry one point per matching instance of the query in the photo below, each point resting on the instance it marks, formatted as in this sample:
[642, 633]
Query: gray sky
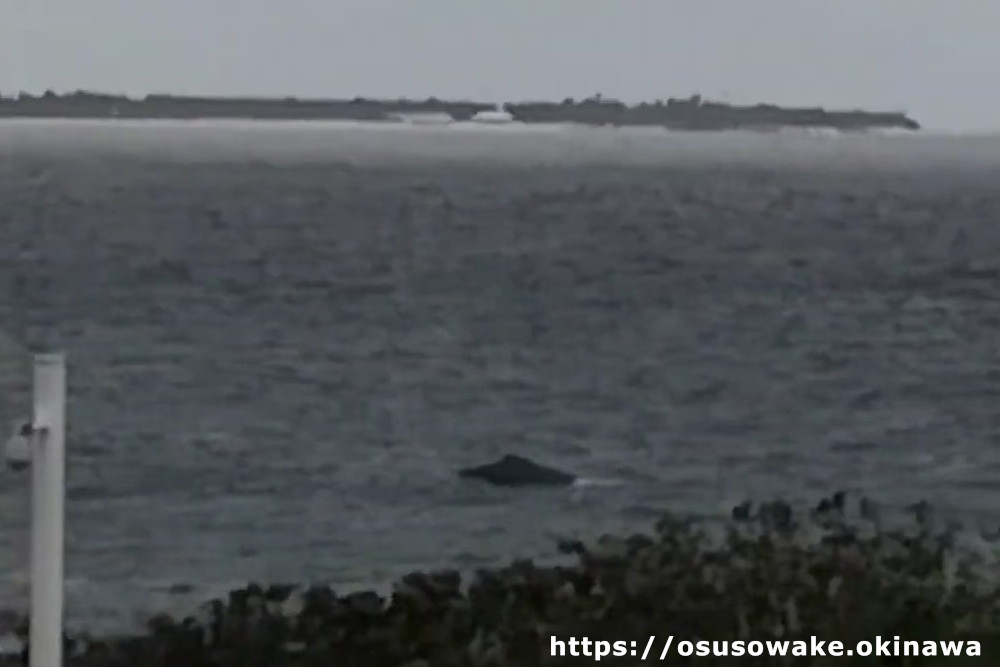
[935, 58]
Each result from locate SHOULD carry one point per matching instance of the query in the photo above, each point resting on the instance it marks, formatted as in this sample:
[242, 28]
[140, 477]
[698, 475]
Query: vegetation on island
[692, 113]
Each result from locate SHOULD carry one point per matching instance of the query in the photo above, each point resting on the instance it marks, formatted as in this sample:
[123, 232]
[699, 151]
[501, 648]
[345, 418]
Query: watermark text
[661, 648]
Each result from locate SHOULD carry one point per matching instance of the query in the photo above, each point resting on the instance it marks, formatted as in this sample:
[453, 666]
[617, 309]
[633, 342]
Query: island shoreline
[691, 114]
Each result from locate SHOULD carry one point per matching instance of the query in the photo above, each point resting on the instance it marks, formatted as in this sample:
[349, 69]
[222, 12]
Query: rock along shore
[769, 574]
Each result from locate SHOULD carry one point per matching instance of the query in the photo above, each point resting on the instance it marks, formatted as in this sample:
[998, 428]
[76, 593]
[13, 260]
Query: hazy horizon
[917, 56]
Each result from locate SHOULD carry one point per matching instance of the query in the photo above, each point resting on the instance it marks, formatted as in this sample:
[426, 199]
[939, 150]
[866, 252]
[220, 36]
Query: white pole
[47, 510]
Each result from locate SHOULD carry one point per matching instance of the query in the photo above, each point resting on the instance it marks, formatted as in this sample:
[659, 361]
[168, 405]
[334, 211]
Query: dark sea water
[284, 339]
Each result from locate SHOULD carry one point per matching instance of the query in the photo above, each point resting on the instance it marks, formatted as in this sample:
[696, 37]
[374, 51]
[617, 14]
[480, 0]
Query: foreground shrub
[767, 574]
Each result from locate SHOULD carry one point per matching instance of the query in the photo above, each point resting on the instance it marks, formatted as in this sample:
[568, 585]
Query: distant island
[690, 114]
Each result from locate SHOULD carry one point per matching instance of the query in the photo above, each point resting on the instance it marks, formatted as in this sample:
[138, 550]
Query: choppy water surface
[284, 339]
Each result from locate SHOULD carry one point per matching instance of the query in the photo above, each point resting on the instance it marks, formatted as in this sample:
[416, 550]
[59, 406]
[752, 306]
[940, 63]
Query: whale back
[514, 470]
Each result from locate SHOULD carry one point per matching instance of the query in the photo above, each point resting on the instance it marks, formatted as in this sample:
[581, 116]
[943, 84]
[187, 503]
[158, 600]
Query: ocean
[285, 338]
